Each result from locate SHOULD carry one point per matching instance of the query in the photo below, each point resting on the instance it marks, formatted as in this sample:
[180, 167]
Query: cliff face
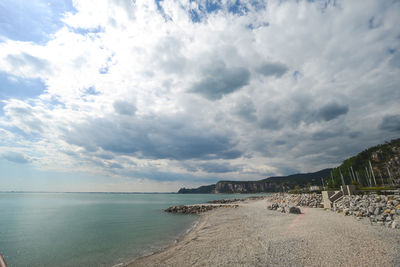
[246, 187]
[271, 184]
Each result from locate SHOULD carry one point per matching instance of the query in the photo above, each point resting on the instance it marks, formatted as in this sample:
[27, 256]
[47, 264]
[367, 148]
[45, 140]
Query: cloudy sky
[125, 95]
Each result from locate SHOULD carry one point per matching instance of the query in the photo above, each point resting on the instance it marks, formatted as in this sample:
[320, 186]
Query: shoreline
[252, 235]
[177, 240]
[200, 217]
[164, 247]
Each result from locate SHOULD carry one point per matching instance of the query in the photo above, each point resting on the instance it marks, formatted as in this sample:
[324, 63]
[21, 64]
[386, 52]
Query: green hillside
[384, 160]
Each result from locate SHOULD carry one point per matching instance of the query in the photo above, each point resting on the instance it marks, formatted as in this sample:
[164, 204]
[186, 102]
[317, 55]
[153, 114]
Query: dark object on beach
[294, 210]
[196, 209]
[2, 261]
[273, 206]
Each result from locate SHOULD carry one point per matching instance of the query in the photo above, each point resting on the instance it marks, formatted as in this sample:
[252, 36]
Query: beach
[252, 235]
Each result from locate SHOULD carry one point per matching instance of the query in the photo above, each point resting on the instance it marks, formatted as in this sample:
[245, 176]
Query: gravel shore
[252, 235]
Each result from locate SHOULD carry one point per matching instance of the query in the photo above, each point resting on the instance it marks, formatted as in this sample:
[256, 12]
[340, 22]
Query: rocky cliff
[375, 166]
[271, 184]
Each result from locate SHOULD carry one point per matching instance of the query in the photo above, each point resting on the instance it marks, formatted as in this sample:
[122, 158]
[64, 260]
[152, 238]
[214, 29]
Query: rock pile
[284, 208]
[196, 209]
[226, 201]
[382, 210]
[303, 200]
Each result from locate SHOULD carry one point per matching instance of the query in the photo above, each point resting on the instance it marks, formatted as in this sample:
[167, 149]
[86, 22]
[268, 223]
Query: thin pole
[372, 171]
[380, 175]
[390, 176]
[341, 176]
[351, 176]
[332, 178]
[367, 177]
[352, 171]
[358, 178]
[323, 186]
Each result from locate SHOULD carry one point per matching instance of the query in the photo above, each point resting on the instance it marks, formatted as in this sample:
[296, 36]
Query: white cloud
[296, 80]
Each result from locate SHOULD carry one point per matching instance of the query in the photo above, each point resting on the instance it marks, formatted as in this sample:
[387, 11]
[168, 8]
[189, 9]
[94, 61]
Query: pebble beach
[251, 234]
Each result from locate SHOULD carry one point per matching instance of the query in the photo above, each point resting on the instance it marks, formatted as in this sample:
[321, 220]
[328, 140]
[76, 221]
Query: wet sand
[252, 235]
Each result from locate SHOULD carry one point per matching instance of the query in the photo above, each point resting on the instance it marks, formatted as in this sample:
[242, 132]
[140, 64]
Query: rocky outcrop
[271, 184]
[375, 166]
[246, 187]
[196, 209]
[379, 209]
[205, 189]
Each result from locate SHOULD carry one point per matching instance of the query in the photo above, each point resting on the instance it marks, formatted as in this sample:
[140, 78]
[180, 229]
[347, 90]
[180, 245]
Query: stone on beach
[294, 210]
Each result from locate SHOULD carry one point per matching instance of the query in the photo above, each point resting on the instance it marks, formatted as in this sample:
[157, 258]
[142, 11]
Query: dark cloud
[124, 108]
[272, 69]
[15, 157]
[390, 123]
[270, 123]
[355, 134]
[332, 111]
[323, 135]
[280, 142]
[156, 137]
[246, 109]
[219, 80]
[115, 166]
[219, 168]
[395, 61]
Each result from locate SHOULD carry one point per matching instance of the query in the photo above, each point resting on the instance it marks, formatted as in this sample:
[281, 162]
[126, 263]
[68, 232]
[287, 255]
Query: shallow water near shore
[90, 229]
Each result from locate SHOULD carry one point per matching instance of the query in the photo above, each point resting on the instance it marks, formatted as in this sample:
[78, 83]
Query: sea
[91, 229]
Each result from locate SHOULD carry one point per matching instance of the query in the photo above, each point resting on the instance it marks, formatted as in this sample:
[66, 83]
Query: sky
[151, 96]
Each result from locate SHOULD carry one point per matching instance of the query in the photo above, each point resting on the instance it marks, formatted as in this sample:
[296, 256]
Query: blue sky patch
[213, 6]
[32, 20]
[238, 8]
[251, 26]
[297, 74]
[20, 88]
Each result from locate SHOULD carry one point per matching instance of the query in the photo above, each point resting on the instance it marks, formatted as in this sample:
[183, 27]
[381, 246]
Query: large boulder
[294, 210]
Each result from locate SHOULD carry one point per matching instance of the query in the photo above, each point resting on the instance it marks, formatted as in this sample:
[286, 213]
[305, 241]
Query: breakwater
[379, 209]
[196, 209]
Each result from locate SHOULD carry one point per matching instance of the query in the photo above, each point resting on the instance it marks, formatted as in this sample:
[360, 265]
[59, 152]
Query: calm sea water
[89, 229]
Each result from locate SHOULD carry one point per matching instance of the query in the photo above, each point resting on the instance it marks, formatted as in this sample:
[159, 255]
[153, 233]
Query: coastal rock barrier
[302, 200]
[290, 203]
[235, 200]
[380, 209]
[196, 209]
